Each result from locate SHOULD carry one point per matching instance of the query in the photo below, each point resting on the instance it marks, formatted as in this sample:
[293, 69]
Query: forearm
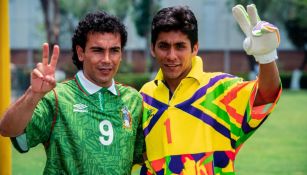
[19, 114]
[268, 83]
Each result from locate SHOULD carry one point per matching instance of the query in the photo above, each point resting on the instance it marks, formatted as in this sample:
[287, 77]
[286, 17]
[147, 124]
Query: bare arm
[262, 39]
[18, 115]
[268, 84]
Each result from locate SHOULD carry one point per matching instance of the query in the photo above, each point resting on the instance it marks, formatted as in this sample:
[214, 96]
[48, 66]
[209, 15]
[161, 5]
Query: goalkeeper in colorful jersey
[195, 122]
[90, 124]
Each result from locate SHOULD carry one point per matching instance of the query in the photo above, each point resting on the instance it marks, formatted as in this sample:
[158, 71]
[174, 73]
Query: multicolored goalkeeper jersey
[200, 128]
[95, 129]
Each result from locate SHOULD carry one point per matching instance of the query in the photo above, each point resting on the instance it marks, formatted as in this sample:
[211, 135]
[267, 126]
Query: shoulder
[149, 86]
[65, 86]
[61, 88]
[219, 77]
[126, 90]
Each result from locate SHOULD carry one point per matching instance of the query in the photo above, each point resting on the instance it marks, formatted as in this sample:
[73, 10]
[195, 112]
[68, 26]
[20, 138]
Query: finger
[50, 80]
[55, 56]
[253, 14]
[40, 67]
[45, 54]
[263, 27]
[37, 73]
[242, 18]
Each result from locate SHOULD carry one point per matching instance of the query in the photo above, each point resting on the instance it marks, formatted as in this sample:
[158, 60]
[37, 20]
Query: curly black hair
[100, 22]
[177, 18]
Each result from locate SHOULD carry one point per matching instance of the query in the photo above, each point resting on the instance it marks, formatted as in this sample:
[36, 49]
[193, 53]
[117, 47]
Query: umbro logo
[80, 108]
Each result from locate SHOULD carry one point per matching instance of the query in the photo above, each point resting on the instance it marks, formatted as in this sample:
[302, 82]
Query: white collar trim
[92, 88]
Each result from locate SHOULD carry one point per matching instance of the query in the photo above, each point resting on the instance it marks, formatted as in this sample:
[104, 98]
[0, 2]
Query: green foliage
[285, 78]
[73, 11]
[142, 17]
[125, 67]
[296, 24]
[143, 14]
[119, 7]
[276, 11]
[78, 8]
[136, 80]
[289, 13]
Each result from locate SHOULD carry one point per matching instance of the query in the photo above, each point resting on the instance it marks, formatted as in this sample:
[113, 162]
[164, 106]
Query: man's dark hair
[177, 18]
[100, 22]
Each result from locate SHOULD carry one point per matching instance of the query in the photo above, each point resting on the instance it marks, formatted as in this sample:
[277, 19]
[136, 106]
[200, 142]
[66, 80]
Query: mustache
[105, 66]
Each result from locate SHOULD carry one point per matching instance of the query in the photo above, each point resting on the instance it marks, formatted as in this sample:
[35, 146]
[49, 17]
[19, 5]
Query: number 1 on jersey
[167, 124]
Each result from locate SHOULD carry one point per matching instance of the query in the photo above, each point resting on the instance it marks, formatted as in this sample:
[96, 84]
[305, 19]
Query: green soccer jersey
[88, 129]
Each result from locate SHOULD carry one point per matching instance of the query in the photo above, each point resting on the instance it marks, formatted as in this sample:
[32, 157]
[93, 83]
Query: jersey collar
[196, 71]
[91, 88]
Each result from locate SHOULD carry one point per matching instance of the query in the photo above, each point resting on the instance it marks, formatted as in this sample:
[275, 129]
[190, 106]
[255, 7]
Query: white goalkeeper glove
[262, 38]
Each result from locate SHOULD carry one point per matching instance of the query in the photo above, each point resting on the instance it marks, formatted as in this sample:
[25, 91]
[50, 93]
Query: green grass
[32, 162]
[279, 147]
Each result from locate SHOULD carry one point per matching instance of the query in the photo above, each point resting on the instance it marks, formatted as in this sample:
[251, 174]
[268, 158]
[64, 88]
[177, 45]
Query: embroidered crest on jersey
[80, 108]
[126, 117]
[150, 113]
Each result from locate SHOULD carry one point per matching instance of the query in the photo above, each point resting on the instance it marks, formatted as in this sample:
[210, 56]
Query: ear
[152, 50]
[195, 49]
[80, 53]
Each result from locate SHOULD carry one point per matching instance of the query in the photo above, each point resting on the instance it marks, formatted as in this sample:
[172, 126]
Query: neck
[173, 84]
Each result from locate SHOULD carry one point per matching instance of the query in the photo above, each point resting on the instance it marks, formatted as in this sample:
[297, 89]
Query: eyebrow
[101, 48]
[176, 43]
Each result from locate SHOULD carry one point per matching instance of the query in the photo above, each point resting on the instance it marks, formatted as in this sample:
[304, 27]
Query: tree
[71, 12]
[289, 13]
[143, 13]
[81, 7]
[51, 12]
[296, 26]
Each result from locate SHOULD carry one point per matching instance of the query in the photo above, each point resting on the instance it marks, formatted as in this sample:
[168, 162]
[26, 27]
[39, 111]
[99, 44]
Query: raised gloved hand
[262, 38]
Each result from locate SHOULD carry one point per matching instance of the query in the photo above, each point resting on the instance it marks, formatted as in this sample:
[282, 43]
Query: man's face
[174, 54]
[101, 57]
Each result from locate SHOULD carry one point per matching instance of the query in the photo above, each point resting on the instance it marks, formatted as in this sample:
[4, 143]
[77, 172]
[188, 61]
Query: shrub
[136, 80]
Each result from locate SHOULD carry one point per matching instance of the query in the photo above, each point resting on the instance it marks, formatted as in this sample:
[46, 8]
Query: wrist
[266, 58]
[33, 95]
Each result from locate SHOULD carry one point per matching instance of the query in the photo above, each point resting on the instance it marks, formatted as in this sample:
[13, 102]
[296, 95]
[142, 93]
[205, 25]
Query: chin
[172, 76]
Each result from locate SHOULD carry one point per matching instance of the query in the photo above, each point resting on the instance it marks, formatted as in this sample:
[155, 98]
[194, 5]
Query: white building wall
[26, 24]
[217, 28]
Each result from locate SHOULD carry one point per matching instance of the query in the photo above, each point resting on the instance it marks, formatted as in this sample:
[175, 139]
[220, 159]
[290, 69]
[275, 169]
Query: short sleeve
[39, 127]
[139, 147]
[244, 117]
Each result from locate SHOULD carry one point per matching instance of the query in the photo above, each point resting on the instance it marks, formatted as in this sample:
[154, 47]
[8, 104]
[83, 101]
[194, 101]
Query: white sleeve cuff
[267, 58]
[20, 143]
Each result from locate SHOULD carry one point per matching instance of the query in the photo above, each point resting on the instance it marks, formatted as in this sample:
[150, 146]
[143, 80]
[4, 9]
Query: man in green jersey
[90, 124]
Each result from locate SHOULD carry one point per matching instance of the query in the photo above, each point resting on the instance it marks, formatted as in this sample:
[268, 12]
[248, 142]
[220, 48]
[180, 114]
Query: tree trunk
[52, 24]
[304, 61]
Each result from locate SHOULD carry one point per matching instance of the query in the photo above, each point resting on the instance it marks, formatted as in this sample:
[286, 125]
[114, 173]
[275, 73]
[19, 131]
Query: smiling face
[174, 54]
[101, 57]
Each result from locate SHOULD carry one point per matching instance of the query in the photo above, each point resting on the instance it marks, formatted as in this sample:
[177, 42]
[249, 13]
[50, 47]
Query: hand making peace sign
[43, 76]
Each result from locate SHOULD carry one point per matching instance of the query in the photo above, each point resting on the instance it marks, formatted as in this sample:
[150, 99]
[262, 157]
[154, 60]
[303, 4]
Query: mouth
[171, 65]
[105, 70]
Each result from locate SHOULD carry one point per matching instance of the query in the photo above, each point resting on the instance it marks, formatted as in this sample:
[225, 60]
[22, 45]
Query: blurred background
[33, 22]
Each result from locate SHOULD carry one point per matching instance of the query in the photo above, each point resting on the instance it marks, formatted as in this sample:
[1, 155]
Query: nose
[106, 57]
[171, 54]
